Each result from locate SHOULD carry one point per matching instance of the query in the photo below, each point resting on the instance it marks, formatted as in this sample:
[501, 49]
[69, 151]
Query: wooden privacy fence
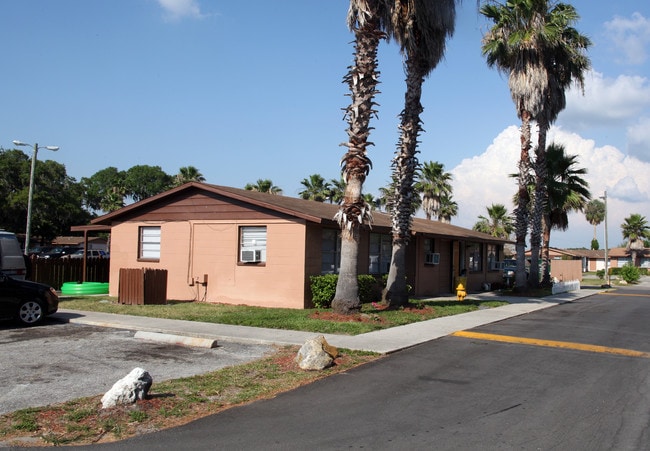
[142, 286]
[55, 272]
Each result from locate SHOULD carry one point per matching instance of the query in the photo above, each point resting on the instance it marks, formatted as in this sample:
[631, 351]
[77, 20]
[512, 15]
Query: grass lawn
[372, 316]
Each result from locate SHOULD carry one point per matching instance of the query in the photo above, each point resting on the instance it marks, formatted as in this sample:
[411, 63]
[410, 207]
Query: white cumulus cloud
[180, 9]
[631, 36]
[480, 181]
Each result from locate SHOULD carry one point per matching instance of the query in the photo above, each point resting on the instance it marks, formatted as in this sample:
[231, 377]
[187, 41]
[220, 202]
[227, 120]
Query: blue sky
[249, 91]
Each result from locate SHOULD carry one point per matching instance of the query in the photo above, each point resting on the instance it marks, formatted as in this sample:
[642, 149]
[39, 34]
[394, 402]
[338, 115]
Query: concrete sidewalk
[382, 341]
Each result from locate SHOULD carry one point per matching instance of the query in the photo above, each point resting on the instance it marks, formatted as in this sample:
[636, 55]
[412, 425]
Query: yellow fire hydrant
[460, 292]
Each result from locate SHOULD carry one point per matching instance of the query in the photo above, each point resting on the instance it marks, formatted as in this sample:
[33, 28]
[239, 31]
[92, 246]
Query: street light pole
[607, 283]
[30, 196]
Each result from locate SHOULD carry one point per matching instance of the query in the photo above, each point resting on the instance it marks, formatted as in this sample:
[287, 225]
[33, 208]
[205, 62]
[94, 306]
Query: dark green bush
[600, 274]
[323, 289]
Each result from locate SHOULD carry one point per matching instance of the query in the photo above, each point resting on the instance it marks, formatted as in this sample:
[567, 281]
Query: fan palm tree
[421, 28]
[263, 186]
[497, 223]
[337, 190]
[369, 21]
[188, 174]
[635, 230]
[316, 188]
[595, 214]
[433, 183]
[514, 45]
[448, 209]
[567, 192]
[565, 62]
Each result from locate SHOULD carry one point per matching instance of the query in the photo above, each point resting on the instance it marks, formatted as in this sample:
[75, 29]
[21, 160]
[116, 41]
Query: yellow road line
[551, 344]
[615, 293]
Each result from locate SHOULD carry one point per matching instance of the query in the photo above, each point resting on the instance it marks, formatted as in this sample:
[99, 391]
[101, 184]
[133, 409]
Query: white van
[12, 261]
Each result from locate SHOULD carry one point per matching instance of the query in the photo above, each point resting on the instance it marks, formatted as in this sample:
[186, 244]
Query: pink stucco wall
[192, 249]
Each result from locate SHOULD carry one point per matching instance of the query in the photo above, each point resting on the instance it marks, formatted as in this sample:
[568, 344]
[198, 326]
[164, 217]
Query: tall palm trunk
[523, 201]
[362, 79]
[405, 165]
[539, 206]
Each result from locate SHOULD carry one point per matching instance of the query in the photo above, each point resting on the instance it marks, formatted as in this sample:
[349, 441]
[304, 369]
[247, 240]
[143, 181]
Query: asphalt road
[460, 393]
[57, 362]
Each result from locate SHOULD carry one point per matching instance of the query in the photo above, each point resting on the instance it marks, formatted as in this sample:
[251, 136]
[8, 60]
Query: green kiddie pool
[83, 288]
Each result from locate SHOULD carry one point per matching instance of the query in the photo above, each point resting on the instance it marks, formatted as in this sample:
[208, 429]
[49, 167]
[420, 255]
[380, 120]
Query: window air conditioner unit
[432, 258]
[250, 256]
[497, 266]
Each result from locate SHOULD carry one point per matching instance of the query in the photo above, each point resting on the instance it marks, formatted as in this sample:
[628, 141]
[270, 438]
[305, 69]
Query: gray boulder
[129, 389]
[316, 354]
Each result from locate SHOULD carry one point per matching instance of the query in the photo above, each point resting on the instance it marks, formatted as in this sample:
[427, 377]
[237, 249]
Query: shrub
[323, 289]
[630, 273]
[600, 274]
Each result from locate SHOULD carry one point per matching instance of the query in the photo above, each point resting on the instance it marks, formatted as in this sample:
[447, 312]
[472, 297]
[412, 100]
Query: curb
[176, 339]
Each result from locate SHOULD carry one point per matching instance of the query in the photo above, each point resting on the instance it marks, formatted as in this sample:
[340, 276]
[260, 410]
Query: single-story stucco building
[229, 245]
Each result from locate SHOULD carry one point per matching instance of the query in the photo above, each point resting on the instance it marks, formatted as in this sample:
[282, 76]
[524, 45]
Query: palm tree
[337, 190]
[565, 61]
[421, 28]
[595, 214]
[433, 183]
[497, 223]
[514, 45]
[316, 188]
[635, 229]
[263, 186]
[567, 191]
[448, 209]
[188, 174]
[368, 19]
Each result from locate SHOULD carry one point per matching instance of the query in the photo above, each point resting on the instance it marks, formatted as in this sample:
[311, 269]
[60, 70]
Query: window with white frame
[252, 244]
[330, 251]
[149, 243]
[381, 248]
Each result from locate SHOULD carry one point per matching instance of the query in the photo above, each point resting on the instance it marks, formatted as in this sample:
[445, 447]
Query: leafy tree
[595, 214]
[563, 51]
[497, 223]
[104, 190]
[635, 229]
[368, 20]
[143, 181]
[567, 191]
[421, 29]
[56, 202]
[263, 186]
[188, 174]
[433, 183]
[316, 188]
[514, 46]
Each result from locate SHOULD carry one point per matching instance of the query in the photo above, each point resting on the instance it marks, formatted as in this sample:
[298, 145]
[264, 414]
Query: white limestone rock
[316, 354]
[129, 389]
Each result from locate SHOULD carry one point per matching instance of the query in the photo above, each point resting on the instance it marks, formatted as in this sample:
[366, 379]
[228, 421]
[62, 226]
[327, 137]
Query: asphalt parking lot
[57, 362]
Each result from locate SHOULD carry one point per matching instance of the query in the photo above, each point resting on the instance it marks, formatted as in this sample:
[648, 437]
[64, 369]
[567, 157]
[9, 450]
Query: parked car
[57, 252]
[26, 302]
[90, 253]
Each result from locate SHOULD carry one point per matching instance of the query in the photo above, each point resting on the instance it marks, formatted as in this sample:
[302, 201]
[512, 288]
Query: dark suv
[27, 302]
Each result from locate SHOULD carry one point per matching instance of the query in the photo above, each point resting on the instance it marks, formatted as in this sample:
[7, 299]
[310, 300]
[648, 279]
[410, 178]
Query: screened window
[149, 243]
[475, 257]
[380, 253]
[430, 256]
[252, 241]
[492, 257]
[330, 252]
